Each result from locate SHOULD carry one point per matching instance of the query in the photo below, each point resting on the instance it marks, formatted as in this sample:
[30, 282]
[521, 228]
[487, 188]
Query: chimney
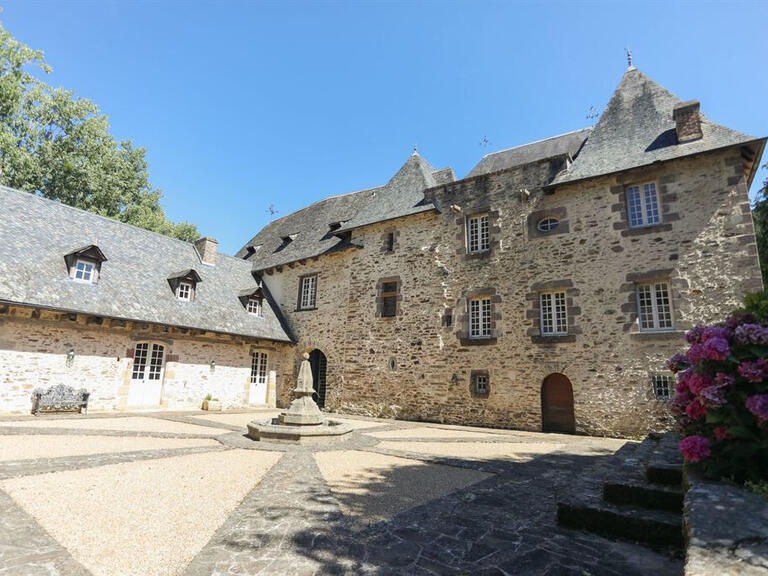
[207, 247]
[687, 121]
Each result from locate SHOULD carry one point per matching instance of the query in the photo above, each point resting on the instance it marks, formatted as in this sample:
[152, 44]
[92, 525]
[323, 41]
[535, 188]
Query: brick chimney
[207, 247]
[687, 121]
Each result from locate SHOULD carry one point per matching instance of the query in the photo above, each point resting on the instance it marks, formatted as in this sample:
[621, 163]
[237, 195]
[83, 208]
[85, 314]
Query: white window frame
[553, 314]
[654, 306]
[643, 206]
[308, 292]
[259, 367]
[662, 385]
[254, 306]
[184, 291]
[87, 274]
[478, 233]
[479, 317]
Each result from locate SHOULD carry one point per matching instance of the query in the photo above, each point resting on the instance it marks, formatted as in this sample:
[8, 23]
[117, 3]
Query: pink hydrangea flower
[721, 433]
[757, 404]
[698, 382]
[754, 371]
[693, 336]
[751, 334]
[696, 410]
[716, 348]
[677, 362]
[695, 448]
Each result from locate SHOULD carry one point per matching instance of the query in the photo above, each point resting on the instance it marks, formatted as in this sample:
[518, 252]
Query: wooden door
[557, 404]
[318, 363]
[147, 375]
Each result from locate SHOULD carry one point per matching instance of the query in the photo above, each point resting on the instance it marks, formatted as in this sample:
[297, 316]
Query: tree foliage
[58, 145]
[760, 216]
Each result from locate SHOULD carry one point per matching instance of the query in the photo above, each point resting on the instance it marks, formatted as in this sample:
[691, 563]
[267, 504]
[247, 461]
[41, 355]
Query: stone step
[644, 494]
[664, 464]
[657, 528]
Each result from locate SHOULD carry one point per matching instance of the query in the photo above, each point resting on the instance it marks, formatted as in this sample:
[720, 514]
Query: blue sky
[245, 104]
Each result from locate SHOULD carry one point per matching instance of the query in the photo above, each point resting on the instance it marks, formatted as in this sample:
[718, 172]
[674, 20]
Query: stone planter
[212, 405]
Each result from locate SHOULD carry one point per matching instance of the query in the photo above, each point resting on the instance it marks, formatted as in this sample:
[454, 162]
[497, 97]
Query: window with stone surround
[662, 385]
[258, 367]
[654, 307]
[390, 242]
[479, 383]
[478, 233]
[308, 292]
[388, 297]
[480, 317]
[643, 205]
[554, 315]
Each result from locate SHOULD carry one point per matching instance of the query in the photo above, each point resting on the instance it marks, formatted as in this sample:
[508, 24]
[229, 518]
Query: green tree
[760, 216]
[58, 145]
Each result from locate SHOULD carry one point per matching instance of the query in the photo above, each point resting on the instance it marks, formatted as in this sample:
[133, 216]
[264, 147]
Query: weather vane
[629, 57]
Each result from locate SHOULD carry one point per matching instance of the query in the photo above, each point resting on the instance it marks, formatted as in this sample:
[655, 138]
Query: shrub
[721, 396]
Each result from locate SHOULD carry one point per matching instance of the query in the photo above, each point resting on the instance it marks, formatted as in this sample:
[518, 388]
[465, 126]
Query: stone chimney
[687, 121]
[207, 247]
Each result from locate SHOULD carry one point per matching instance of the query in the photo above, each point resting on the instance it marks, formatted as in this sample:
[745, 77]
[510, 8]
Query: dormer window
[84, 264]
[184, 291]
[252, 300]
[85, 271]
[254, 306]
[333, 226]
[184, 284]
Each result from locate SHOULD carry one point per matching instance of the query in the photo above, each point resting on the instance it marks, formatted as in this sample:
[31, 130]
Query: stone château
[544, 290]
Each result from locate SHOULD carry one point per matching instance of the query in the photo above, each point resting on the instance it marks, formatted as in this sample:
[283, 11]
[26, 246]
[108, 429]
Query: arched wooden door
[557, 404]
[318, 363]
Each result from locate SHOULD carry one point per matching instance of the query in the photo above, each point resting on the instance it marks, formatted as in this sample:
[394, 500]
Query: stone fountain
[303, 422]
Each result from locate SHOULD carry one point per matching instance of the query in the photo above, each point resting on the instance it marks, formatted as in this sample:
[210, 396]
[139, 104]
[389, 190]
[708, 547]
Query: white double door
[147, 375]
[258, 392]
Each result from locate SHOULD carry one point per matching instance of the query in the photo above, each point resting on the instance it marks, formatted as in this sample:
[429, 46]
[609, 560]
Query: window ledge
[658, 334]
[466, 341]
[305, 309]
[553, 338]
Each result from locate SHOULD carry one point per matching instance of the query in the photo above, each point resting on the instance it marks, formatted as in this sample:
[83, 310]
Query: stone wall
[34, 346]
[704, 246]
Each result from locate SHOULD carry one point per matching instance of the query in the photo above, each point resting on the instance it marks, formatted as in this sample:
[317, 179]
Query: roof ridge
[538, 141]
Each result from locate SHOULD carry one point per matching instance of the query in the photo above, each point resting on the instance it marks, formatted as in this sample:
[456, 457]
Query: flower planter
[212, 405]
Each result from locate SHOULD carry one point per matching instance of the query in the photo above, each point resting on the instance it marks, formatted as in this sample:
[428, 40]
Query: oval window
[547, 224]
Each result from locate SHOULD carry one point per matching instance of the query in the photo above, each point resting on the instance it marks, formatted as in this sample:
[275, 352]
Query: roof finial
[629, 59]
[415, 150]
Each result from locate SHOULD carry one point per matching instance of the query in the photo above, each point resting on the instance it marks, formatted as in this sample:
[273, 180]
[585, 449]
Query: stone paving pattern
[292, 523]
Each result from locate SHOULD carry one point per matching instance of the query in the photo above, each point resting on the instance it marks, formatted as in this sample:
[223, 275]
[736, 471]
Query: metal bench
[59, 398]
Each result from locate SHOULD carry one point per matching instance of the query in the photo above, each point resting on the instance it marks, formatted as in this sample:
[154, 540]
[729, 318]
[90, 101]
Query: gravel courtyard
[187, 494]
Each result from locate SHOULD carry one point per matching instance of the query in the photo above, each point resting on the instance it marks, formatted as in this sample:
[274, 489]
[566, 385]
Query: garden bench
[59, 398]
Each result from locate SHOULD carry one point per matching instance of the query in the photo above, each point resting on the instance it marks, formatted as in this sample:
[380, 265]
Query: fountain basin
[274, 431]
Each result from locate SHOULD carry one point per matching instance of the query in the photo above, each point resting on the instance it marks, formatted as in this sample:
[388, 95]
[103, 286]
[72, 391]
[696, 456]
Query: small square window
[478, 234]
[184, 291]
[84, 271]
[663, 384]
[643, 205]
[254, 306]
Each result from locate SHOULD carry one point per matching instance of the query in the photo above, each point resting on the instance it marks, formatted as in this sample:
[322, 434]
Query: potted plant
[211, 404]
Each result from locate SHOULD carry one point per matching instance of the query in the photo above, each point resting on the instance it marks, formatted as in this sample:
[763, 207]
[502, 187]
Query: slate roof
[567, 144]
[637, 129]
[36, 234]
[403, 195]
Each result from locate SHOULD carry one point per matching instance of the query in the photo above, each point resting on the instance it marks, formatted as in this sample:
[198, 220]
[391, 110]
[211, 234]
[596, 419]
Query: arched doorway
[557, 404]
[318, 363]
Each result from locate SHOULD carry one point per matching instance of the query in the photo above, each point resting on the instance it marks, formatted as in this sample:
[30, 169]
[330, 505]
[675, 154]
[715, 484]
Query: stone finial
[305, 355]
[630, 66]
